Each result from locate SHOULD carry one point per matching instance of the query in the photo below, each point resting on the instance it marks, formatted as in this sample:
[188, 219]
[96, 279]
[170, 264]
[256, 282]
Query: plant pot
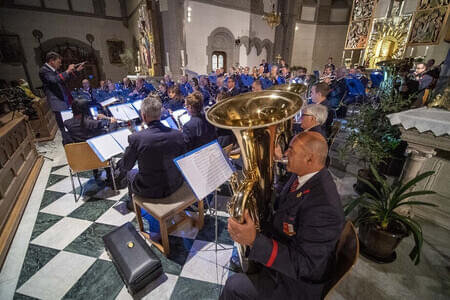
[393, 166]
[379, 245]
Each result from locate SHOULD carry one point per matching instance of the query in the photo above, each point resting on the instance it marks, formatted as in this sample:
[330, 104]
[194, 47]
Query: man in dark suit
[54, 84]
[197, 131]
[313, 118]
[153, 148]
[296, 250]
[232, 89]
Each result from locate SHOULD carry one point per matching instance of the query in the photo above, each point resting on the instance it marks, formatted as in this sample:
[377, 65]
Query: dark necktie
[294, 185]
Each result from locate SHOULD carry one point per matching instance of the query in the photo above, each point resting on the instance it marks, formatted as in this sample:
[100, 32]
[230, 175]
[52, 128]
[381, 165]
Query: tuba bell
[255, 119]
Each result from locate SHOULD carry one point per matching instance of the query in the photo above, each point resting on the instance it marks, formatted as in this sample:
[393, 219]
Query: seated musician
[140, 90]
[233, 90]
[185, 86]
[153, 149]
[313, 118]
[162, 93]
[256, 86]
[168, 81]
[127, 84]
[197, 131]
[319, 93]
[176, 99]
[295, 251]
[82, 126]
[86, 90]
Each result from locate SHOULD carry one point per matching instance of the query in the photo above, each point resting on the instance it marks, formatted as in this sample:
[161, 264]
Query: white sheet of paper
[124, 112]
[105, 145]
[205, 169]
[109, 101]
[178, 113]
[121, 136]
[184, 119]
[137, 104]
[165, 123]
[66, 115]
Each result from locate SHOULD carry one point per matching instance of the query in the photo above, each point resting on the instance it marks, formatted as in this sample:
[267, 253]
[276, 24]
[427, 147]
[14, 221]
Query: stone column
[418, 155]
[284, 33]
[173, 35]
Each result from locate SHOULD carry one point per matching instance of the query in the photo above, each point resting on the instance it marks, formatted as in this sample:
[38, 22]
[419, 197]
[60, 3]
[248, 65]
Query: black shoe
[235, 264]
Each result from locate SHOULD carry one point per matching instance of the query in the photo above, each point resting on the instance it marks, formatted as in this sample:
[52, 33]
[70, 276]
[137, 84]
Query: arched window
[219, 60]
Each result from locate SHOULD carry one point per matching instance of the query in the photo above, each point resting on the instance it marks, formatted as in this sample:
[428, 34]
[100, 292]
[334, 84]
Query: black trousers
[59, 121]
[243, 286]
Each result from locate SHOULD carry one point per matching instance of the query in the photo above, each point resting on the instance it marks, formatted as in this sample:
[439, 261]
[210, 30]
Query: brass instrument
[255, 119]
[391, 70]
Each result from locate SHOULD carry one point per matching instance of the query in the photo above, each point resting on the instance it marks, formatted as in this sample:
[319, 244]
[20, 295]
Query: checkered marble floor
[66, 258]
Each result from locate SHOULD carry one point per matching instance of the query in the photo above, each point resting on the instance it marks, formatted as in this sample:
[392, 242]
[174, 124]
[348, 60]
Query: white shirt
[51, 68]
[303, 179]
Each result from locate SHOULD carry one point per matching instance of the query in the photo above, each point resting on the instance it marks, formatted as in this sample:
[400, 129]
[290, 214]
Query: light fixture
[296, 27]
[273, 18]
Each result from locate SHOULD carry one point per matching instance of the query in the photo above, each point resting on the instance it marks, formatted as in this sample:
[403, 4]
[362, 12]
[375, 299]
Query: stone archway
[73, 51]
[221, 39]
[266, 43]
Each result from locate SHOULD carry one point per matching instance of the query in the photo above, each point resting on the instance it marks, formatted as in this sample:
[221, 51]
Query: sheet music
[178, 113]
[124, 112]
[121, 137]
[168, 122]
[137, 104]
[105, 146]
[205, 168]
[184, 119]
[165, 123]
[109, 101]
[66, 115]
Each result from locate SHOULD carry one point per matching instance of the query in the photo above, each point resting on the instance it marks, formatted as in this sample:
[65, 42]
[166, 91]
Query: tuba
[255, 119]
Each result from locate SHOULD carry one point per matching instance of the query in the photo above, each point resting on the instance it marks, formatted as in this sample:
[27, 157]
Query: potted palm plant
[381, 226]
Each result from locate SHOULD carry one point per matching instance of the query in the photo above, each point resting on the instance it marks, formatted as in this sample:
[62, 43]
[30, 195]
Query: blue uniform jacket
[197, 132]
[154, 149]
[298, 244]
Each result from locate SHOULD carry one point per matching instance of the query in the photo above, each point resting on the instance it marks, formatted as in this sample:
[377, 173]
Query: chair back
[81, 157]
[347, 252]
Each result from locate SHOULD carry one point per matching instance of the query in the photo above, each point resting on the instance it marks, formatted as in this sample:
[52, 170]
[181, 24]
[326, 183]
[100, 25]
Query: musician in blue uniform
[176, 100]
[319, 93]
[246, 80]
[233, 90]
[86, 90]
[185, 87]
[197, 131]
[296, 249]
[153, 149]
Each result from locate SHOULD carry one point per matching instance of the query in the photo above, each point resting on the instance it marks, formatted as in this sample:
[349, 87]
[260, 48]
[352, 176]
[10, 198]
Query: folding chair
[81, 157]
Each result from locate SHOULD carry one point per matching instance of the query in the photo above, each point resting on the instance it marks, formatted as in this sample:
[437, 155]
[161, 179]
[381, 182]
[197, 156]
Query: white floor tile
[63, 206]
[56, 278]
[65, 185]
[203, 263]
[62, 171]
[113, 217]
[62, 233]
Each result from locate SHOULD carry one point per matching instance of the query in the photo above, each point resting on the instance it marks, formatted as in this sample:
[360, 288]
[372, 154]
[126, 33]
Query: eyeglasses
[304, 115]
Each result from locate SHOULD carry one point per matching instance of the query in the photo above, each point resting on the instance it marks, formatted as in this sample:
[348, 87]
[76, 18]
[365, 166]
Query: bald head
[307, 153]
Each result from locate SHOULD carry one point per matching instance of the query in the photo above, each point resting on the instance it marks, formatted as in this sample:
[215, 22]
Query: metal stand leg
[216, 233]
[73, 185]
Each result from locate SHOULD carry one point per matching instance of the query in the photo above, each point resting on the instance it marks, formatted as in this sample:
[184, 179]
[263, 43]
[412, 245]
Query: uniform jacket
[54, 88]
[91, 129]
[154, 149]
[298, 244]
[197, 132]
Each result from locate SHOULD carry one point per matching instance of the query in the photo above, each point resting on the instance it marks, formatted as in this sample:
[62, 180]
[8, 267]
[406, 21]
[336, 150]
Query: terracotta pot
[381, 244]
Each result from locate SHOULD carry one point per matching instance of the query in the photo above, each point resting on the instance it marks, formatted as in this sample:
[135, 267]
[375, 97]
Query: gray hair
[151, 108]
[319, 111]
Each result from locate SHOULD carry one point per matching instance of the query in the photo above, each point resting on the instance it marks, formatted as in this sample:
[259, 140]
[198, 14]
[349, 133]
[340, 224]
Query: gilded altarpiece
[146, 52]
[387, 39]
[360, 21]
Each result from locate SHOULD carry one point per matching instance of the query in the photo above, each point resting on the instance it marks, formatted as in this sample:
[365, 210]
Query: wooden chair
[347, 252]
[81, 157]
[164, 209]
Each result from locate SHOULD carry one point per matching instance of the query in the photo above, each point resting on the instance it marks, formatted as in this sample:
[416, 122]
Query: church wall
[329, 41]
[59, 26]
[302, 52]
[206, 18]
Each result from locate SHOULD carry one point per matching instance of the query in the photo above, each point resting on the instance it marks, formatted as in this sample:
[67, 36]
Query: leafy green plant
[372, 137]
[380, 207]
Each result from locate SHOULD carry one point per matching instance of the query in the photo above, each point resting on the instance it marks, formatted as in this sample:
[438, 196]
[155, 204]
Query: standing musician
[295, 253]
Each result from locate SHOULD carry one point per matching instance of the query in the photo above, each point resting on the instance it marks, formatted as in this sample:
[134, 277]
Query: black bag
[137, 264]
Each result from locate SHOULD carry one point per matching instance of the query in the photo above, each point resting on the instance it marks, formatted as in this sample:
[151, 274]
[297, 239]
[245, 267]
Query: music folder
[110, 144]
[66, 114]
[169, 122]
[205, 168]
[137, 104]
[123, 112]
[109, 101]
